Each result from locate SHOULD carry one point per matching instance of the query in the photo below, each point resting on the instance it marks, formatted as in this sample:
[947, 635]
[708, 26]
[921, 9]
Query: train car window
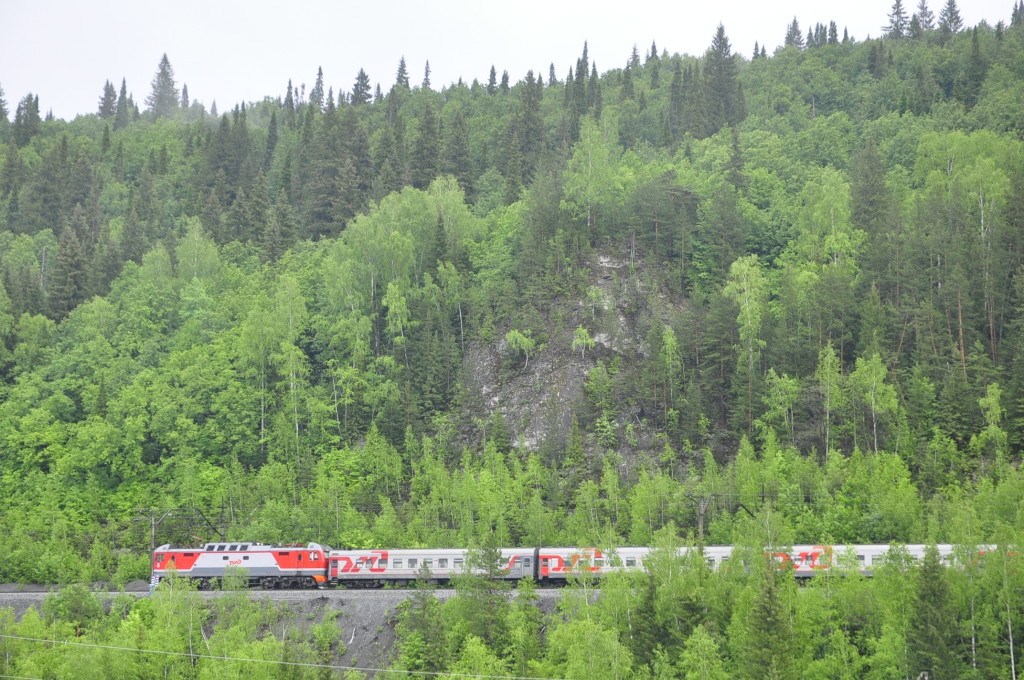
[190, 554]
[527, 561]
[860, 558]
[234, 548]
[458, 563]
[598, 561]
[245, 546]
[397, 564]
[220, 548]
[382, 562]
[245, 557]
[159, 558]
[428, 562]
[286, 553]
[442, 562]
[630, 561]
[225, 558]
[711, 561]
[412, 562]
[209, 547]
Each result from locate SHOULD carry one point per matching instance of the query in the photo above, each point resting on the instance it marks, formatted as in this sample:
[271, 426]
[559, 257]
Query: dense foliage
[273, 322]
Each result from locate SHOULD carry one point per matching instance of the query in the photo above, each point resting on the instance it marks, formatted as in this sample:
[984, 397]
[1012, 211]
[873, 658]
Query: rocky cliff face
[538, 398]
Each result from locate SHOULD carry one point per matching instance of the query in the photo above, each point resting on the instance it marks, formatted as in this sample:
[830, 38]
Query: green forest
[686, 300]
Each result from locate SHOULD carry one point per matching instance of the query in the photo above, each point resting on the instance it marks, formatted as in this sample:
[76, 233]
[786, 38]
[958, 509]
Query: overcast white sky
[231, 52]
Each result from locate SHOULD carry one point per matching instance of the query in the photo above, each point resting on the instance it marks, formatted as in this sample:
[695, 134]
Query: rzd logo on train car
[375, 563]
[588, 560]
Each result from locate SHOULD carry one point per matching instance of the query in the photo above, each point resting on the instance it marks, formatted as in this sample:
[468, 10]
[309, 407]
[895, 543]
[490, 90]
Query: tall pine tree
[163, 98]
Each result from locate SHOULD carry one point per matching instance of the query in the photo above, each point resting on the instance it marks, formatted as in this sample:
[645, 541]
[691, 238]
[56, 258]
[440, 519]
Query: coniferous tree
[722, 90]
[316, 94]
[122, 115]
[627, 91]
[185, 101]
[361, 89]
[898, 22]
[279, 232]
[358, 151]
[492, 81]
[163, 98]
[925, 16]
[794, 38]
[12, 171]
[108, 101]
[425, 154]
[289, 105]
[594, 102]
[675, 99]
[26, 119]
[105, 264]
[426, 76]
[69, 277]
[770, 650]
[914, 29]
[932, 632]
[950, 22]
[974, 76]
[402, 76]
[3, 107]
[456, 159]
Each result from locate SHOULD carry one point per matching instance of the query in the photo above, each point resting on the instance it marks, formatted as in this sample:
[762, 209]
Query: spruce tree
[272, 138]
[898, 22]
[69, 277]
[289, 105]
[932, 633]
[492, 81]
[426, 76]
[316, 94]
[925, 16]
[185, 101]
[163, 97]
[26, 120]
[122, 115]
[721, 84]
[456, 158]
[770, 649]
[794, 38]
[976, 72]
[402, 76]
[425, 153]
[108, 101]
[3, 107]
[950, 22]
[361, 89]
